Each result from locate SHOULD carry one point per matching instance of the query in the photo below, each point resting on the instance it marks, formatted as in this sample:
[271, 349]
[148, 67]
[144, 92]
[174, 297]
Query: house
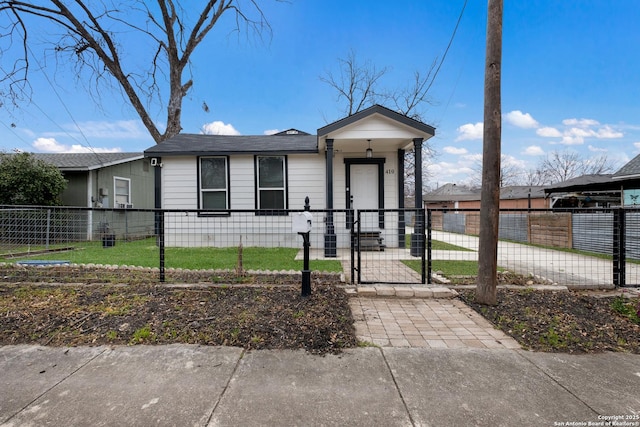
[628, 180]
[453, 196]
[356, 162]
[585, 191]
[109, 180]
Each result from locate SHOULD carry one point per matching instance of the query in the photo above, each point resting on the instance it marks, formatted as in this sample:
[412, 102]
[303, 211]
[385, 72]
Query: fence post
[619, 262]
[428, 248]
[161, 243]
[48, 227]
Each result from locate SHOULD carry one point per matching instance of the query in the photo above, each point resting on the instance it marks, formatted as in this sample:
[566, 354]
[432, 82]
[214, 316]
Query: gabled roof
[186, 144]
[597, 182]
[377, 109]
[86, 161]
[631, 168]
[515, 192]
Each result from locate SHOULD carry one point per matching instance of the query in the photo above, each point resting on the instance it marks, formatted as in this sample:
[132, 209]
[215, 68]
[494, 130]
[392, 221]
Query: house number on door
[390, 171]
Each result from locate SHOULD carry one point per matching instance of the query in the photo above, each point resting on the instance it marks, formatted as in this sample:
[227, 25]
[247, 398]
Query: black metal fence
[582, 248]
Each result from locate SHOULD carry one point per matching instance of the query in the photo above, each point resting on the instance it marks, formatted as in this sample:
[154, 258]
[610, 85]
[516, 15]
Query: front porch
[365, 170]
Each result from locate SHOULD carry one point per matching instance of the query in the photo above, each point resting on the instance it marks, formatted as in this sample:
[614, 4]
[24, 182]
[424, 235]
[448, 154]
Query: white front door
[364, 192]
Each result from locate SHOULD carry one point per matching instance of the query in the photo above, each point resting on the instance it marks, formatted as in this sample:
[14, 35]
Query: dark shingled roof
[582, 183]
[196, 144]
[631, 168]
[86, 161]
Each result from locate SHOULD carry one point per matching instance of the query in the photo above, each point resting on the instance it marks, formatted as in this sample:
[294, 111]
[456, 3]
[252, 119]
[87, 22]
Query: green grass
[448, 268]
[629, 308]
[145, 253]
[437, 245]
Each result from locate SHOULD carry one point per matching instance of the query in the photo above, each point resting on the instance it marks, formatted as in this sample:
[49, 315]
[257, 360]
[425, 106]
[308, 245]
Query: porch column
[401, 218]
[330, 232]
[417, 238]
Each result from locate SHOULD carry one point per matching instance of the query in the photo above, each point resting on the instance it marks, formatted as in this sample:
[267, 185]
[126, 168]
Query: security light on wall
[369, 150]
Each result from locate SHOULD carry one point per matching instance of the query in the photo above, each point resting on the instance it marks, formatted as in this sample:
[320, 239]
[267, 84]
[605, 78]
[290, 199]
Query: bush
[25, 180]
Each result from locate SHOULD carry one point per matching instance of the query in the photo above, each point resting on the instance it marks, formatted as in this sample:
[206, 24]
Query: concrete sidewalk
[180, 385]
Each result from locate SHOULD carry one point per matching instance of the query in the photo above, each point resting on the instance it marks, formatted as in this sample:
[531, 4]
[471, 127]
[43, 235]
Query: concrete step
[401, 291]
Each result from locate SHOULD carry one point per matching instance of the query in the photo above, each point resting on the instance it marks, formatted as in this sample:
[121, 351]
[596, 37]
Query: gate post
[619, 262]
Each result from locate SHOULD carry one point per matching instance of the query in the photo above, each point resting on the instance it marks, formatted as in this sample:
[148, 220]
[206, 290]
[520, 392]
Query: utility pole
[490, 194]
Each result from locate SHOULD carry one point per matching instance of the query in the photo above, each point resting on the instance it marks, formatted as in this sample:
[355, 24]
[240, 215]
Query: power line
[91, 149]
[455, 30]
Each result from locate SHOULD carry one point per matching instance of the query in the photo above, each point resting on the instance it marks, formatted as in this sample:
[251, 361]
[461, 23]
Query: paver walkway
[431, 323]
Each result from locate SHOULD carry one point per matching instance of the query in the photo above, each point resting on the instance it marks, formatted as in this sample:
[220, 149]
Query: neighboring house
[606, 190]
[585, 191]
[453, 196]
[354, 162]
[108, 180]
[628, 180]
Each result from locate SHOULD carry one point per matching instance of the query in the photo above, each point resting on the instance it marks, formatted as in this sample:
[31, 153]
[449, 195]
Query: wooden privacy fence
[544, 228]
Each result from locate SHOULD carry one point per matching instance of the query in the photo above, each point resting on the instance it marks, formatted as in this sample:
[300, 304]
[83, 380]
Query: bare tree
[535, 177]
[356, 84]
[94, 35]
[559, 166]
[510, 173]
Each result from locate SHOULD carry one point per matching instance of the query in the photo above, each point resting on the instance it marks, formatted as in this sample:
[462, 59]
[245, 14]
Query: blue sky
[570, 80]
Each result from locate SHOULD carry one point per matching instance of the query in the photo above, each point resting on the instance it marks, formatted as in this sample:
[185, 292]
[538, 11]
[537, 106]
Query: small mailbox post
[301, 224]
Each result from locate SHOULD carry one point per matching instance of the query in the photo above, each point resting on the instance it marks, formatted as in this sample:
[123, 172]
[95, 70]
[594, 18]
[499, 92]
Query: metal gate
[389, 246]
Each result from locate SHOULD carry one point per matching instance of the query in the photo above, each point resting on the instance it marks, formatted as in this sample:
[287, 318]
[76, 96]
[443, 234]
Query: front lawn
[145, 253]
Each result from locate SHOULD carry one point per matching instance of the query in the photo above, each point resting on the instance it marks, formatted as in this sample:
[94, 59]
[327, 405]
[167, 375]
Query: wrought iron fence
[577, 248]
[581, 248]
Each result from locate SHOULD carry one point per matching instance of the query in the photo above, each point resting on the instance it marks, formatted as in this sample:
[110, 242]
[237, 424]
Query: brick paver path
[434, 323]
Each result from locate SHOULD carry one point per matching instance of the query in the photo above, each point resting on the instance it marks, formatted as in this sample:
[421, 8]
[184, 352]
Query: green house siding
[77, 189]
[140, 175]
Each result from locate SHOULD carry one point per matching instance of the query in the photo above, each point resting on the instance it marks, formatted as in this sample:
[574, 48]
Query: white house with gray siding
[356, 162]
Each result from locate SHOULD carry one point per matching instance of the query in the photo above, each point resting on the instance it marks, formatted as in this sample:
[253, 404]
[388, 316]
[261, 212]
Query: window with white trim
[271, 182]
[214, 183]
[122, 192]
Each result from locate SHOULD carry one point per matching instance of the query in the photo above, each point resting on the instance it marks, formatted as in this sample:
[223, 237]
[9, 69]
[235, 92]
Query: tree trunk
[490, 195]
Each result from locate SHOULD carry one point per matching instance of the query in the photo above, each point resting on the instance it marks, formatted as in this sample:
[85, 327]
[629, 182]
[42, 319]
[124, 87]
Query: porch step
[371, 241]
[402, 291]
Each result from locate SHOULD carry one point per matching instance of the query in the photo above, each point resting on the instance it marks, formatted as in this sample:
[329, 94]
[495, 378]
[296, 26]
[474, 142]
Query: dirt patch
[266, 311]
[560, 321]
[265, 317]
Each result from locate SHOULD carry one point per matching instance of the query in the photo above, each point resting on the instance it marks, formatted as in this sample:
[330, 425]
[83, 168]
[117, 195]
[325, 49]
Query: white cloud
[578, 130]
[549, 132]
[271, 131]
[533, 150]
[637, 145]
[521, 120]
[470, 131]
[606, 132]
[597, 149]
[569, 139]
[50, 145]
[509, 160]
[580, 122]
[218, 128]
[454, 150]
